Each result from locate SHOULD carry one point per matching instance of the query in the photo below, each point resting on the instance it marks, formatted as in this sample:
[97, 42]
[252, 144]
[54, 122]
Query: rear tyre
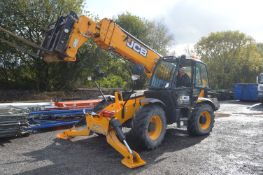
[149, 126]
[202, 120]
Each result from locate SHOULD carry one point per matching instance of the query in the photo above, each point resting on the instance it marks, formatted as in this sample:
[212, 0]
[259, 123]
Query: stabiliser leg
[73, 133]
[131, 158]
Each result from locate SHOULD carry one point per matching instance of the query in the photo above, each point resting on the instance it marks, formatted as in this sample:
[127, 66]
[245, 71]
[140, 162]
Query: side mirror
[98, 73]
[135, 77]
[137, 69]
[89, 78]
[137, 72]
[257, 80]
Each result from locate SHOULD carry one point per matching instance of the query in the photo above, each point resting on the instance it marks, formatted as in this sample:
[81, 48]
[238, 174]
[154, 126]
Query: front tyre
[149, 126]
[202, 120]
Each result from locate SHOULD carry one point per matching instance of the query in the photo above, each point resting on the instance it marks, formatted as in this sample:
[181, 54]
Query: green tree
[153, 33]
[231, 57]
[260, 49]
[158, 36]
[132, 24]
[28, 19]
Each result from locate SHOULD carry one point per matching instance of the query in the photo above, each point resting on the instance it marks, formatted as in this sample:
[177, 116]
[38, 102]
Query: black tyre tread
[192, 126]
[139, 126]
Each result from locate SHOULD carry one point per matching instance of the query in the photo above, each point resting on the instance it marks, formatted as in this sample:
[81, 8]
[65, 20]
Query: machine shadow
[4, 141]
[95, 156]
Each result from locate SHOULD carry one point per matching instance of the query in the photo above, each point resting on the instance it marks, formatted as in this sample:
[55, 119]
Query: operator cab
[168, 70]
[178, 82]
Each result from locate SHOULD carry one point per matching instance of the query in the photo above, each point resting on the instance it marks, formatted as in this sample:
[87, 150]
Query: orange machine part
[77, 103]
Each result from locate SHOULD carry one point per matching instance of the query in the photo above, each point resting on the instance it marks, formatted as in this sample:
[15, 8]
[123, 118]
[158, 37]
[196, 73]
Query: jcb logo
[137, 47]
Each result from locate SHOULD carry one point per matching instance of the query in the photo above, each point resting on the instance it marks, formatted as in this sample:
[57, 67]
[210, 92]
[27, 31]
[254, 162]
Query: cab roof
[172, 58]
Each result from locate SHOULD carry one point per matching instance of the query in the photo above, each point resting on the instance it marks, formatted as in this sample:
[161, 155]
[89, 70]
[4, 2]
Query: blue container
[246, 91]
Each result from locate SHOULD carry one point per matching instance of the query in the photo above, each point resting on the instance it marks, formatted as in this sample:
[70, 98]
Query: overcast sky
[189, 20]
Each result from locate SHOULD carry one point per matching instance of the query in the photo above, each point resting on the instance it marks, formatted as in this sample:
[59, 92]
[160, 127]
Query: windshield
[163, 75]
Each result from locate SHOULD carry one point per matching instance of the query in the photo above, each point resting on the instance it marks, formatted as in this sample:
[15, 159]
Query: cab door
[200, 80]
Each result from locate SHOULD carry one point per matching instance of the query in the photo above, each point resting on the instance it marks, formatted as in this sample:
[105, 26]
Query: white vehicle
[260, 87]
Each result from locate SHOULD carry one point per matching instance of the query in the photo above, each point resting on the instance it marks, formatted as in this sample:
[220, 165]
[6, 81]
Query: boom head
[57, 38]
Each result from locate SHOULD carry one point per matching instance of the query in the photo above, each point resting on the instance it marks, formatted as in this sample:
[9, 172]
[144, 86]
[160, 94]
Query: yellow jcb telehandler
[169, 98]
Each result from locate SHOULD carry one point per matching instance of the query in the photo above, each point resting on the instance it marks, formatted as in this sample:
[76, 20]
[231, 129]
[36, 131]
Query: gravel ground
[234, 147]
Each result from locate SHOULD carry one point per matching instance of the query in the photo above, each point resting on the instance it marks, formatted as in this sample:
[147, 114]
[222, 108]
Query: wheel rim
[155, 127]
[205, 120]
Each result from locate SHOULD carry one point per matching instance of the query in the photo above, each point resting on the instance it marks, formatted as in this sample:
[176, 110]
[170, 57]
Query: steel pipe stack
[13, 122]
